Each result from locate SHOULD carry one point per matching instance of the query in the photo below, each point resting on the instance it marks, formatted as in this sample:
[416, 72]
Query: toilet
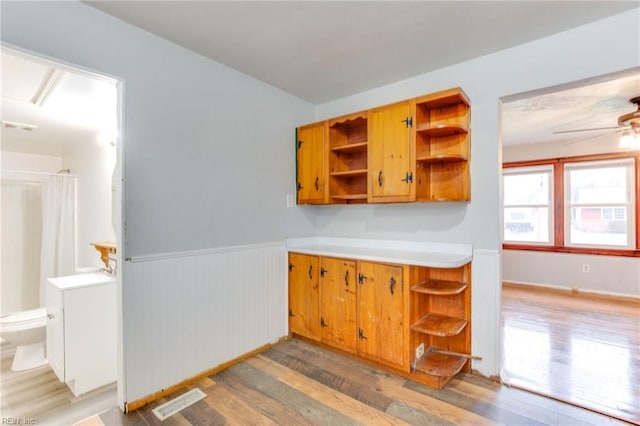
[26, 330]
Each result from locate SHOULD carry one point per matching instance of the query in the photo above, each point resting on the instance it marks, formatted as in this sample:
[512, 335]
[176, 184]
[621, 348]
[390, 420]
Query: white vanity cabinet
[81, 330]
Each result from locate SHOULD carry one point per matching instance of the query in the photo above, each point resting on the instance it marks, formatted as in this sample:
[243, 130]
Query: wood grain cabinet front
[311, 180]
[338, 303]
[414, 150]
[380, 313]
[385, 313]
[304, 315]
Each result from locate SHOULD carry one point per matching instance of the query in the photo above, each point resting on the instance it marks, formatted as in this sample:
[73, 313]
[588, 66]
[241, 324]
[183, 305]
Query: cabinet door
[304, 316]
[311, 164]
[338, 303]
[391, 154]
[380, 313]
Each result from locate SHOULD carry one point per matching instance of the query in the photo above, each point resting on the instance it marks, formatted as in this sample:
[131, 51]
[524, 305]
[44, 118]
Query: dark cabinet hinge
[322, 323]
[291, 266]
[322, 272]
[361, 335]
[408, 178]
[408, 122]
[291, 312]
[361, 278]
[299, 186]
[299, 144]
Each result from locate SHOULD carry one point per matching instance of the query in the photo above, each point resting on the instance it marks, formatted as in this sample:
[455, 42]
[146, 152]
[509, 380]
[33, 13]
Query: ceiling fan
[628, 125]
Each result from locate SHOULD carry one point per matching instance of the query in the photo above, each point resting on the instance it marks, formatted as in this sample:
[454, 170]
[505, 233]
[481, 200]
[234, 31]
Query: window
[527, 205]
[599, 198]
[580, 204]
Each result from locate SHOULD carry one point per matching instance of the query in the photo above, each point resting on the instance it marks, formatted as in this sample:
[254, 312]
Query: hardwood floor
[37, 395]
[579, 348]
[297, 383]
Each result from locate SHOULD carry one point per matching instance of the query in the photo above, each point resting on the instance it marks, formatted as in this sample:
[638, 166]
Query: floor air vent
[169, 408]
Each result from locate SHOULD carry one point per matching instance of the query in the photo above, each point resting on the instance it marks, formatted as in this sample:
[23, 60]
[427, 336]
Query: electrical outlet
[290, 202]
[585, 267]
[420, 350]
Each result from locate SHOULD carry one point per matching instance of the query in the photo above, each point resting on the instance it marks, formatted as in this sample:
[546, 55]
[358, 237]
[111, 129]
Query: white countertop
[81, 280]
[434, 255]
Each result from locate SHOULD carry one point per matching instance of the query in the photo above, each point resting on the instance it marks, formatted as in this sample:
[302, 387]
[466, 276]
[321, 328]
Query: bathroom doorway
[59, 123]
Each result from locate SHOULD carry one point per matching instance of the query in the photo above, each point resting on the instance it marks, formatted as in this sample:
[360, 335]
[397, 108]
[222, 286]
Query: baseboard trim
[134, 405]
[569, 290]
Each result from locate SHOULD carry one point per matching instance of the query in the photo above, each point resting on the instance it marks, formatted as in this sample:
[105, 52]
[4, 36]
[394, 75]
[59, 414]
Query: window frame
[558, 206]
[550, 199]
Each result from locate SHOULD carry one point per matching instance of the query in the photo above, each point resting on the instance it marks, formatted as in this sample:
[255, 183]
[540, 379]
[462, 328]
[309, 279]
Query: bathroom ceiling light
[15, 125]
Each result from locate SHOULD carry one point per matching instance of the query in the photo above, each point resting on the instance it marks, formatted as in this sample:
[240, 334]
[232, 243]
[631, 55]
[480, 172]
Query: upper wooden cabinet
[442, 146]
[391, 164]
[311, 185]
[348, 148]
[415, 150]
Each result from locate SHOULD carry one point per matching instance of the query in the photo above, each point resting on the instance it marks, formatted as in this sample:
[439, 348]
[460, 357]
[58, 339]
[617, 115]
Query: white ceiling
[77, 109]
[325, 50]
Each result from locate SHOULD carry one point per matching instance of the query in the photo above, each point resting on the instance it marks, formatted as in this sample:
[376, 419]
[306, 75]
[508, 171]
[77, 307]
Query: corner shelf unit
[442, 146]
[348, 159]
[440, 319]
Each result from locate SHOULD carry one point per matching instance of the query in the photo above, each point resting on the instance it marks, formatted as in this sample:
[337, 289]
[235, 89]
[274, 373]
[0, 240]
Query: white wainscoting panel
[485, 311]
[185, 313]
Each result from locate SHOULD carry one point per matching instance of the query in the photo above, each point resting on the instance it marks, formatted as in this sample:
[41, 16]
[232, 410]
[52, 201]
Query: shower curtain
[58, 230]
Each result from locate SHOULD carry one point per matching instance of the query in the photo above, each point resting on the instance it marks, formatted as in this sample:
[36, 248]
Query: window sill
[573, 250]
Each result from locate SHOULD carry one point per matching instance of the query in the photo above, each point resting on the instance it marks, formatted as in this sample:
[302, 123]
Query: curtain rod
[63, 172]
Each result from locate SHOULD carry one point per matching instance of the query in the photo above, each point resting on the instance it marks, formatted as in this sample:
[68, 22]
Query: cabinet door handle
[346, 278]
[310, 272]
[316, 184]
[392, 285]
[380, 178]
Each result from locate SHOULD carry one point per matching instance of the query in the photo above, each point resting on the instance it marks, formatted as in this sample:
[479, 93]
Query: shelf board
[440, 325]
[351, 148]
[443, 99]
[439, 130]
[349, 173]
[357, 120]
[439, 287]
[350, 197]
[441, 158]
[440, 365]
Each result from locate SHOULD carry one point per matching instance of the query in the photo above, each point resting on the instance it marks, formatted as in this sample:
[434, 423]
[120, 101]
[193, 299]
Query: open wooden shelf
[440, 365]
[440, 325]
[350, 197]
[441, 158]
[439, 287]
[439, 130]
[350, 173]
[351, 148]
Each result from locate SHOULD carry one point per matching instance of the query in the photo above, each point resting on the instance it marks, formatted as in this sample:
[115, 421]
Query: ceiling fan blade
[586, 130]
[601, 135]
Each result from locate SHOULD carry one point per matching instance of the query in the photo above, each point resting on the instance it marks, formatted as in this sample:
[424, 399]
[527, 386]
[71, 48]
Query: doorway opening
[570, 324]
[61, 193]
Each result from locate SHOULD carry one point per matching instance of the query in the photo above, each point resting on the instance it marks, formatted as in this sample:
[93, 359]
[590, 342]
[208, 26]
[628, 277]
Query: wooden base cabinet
[385, 313]
[304, 314]
[440, 316]
[338, 303]
[380, 313]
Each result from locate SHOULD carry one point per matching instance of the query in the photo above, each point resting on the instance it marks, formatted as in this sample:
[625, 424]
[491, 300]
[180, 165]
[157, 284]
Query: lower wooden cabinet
[380, 313]
[413, 319]
[338, 303]
[304, 314]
